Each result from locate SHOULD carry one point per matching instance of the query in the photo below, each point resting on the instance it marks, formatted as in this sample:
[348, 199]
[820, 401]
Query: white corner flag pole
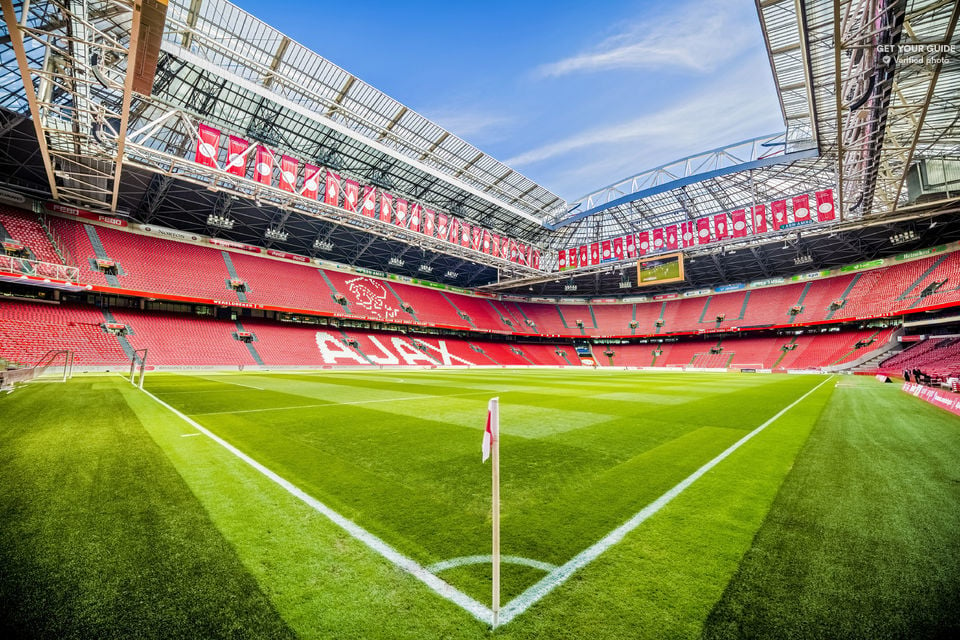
[492, 447]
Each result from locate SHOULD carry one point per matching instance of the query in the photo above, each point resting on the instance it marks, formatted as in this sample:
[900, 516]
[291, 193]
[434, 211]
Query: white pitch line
[443, 565]
[560, 575]
[438, 586]
[207, 378]
[334, 403]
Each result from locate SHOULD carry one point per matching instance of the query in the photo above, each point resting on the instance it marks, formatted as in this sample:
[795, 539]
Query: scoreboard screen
[660, 269]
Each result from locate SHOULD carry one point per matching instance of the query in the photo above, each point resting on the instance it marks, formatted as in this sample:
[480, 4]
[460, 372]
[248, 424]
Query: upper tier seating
[25, 228]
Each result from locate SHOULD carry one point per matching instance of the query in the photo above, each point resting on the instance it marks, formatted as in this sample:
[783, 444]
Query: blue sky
[573, 95]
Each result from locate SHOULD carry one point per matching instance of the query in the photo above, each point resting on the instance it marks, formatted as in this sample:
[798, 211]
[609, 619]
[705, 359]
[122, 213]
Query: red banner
[606, 251]
[208, 146]
[583, 257]
[535, 258]
[288, 173]
[311, 181]
[464, 234]
[778, 209]
[522, 253]
[595, 253]
[442, 224]
[618, 248]
[494, 244]
[825, 209]
[562, 259]
[670, 236]
[514, 251]
[703, 230]
[643, 243]
[369, 207]
[476, 238]
[720, 230]
[263, 171]
[486, 241]
[386, 206]
[237, 151]
[688, 234]
[630, 245]
[801, 208]
[738, 221]
[331, 193]
[505, 244]
[572, 255]
[657, 240]
[400, 210]
[760, 219]
[428, 217]
[351, 194]
[416, 213]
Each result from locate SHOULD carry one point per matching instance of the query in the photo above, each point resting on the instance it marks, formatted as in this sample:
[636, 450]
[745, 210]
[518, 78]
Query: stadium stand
[174, 339]
[30, 329]
[283, 284]
[938, 358]
[25, 228]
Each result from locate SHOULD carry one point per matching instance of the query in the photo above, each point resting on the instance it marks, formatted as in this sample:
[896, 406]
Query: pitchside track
[354, 504]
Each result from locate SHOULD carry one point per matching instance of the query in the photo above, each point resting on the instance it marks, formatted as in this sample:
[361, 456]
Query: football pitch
[355, 505]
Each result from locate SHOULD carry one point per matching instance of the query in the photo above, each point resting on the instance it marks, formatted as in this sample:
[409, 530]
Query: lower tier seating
[29, 329]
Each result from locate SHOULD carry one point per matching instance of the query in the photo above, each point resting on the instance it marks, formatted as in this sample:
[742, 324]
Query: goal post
[138, 360]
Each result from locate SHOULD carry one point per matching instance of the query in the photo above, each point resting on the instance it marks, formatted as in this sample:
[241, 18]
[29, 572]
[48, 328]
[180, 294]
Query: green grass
[114, 524]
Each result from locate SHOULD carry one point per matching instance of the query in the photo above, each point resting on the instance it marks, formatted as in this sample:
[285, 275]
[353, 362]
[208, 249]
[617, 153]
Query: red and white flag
[801, 208]
[492, 432]
[643, 243]
[476, 239]
[288, 173]
[386, 206]
[594, 253]
[760, 219]
[208, 146]
[464, 233]
[657, 239]
[562, 259]
[720, 226]
[825, 209]
[670, 236]
[618, 248]
[572, 257]
[442, 223]
[237, 151]
[311, 181]
[738, 221]
[351, 194]
[331, 193]
[400, 209]
[688, 233]
[416, 212]
[263, 171]
[428, 217]
[369, 207]
[703, 230]
[778, 209]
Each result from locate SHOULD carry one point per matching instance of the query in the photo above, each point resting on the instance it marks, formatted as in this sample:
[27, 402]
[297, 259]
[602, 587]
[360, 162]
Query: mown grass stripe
[560, 575]
[435, 584]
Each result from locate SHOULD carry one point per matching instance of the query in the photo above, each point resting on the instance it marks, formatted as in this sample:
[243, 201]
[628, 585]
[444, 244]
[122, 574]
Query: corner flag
[491, 445]
[488, 434]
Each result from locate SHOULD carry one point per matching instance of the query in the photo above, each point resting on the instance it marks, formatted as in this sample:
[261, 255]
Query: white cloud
[723, 112]
[467, 124]
[697, 37]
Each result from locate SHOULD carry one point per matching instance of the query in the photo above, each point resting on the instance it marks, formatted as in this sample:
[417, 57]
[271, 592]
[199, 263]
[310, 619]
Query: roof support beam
[16, 40]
